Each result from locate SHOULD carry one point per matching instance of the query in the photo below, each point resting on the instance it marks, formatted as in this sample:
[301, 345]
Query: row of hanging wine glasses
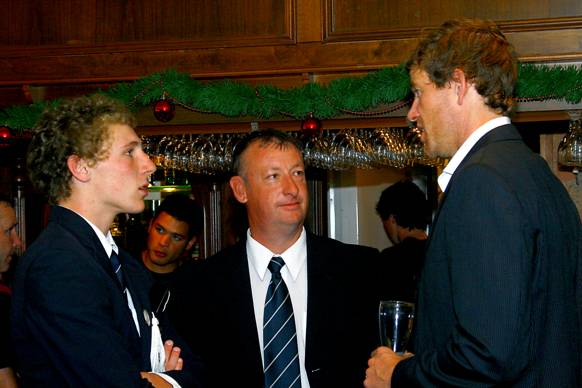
[330, 150]
[366, 149]
[206, 154]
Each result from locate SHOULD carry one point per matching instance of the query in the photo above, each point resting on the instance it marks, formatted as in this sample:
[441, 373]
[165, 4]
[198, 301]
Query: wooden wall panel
[113, 22]
[360, 19]
[61, 47]
[212, 62]
[310, 20]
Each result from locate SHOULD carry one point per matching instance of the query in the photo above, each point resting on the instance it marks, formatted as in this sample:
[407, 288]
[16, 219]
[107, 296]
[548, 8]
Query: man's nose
[165, 240]
[149, 165]
[413, 114]
[291, 186]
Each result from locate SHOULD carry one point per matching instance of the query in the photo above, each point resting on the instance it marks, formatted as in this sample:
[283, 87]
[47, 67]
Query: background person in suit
[330, 283]
[9, 242]
[74, 321]
[499, 296]
[405, 214]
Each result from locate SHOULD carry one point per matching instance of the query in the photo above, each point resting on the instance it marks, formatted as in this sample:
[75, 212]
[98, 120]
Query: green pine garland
[341, 96]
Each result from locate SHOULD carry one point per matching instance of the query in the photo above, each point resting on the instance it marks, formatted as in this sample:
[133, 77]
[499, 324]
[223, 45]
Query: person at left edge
[9, 242]
[74, 323]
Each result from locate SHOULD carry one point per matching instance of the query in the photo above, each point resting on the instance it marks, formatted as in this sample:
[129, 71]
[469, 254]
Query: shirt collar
[106, 240]
[260, 256]
[445, 177]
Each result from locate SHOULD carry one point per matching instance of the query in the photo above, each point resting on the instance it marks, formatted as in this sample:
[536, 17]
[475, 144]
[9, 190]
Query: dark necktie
[116, 265]
[279, 334]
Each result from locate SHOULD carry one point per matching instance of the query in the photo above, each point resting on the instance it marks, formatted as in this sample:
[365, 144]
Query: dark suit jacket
[342, 311]
[70, 321]
[401, 265]
[497, 299]
[6, 349]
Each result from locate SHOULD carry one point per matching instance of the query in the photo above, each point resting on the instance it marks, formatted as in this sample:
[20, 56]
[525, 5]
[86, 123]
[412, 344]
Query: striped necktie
[279, 334]
[116, 265]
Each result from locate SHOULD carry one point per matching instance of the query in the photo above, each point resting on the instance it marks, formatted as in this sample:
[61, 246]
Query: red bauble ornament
[5, 137]
[311, 126]
[164, 110]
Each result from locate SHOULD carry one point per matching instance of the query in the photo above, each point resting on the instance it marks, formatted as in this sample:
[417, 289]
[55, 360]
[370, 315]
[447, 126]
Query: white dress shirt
[294, 273]
[449, 170]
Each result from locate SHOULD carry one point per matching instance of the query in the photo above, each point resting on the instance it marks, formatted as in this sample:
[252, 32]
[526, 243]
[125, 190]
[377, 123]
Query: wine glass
[395, 319]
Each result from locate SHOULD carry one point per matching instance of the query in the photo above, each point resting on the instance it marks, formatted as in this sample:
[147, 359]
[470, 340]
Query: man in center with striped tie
[283, 307]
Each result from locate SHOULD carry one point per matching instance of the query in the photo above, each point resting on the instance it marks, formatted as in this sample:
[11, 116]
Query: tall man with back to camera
[80, 311]
[500, 293]
[325, 287]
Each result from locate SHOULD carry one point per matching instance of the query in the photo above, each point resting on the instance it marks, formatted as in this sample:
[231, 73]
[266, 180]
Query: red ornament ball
[5, 137]
[164, 110]
[311, 126]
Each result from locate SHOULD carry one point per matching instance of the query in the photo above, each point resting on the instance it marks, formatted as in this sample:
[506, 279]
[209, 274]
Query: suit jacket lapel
[243, 316]
[138, 283]
[83, 232]
[320, 289]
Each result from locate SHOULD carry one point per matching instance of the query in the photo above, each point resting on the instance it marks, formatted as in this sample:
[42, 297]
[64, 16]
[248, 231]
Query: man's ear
[79, 168]
[239, 189]
[191, 243]
[460, 84]
[391, 219]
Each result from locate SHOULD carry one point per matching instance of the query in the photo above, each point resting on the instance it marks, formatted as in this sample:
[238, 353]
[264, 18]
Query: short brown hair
[265, 137]
[74, 127]
[479, 49]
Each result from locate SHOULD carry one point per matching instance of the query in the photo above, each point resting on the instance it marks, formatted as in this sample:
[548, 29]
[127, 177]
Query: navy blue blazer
[70, 321]
[497, 300]
[342, 309]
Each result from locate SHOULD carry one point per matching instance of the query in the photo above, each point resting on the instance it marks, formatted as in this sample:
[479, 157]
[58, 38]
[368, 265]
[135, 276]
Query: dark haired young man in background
[405, 214]
[172, 233]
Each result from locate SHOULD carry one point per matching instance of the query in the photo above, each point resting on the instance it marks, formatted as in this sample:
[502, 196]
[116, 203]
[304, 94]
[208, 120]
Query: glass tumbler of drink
[395, 318]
